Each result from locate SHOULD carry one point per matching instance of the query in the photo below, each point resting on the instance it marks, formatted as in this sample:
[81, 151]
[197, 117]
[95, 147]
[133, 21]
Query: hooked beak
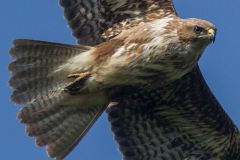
[212, 34]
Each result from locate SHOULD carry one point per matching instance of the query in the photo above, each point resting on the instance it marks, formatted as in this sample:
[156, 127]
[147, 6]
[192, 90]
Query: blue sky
[44, 20]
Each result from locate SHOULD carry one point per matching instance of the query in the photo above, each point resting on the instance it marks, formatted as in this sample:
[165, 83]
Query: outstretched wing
[90, 19]
[180, 121]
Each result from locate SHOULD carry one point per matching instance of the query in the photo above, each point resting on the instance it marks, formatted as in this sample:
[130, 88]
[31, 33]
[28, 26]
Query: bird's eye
[198, 29]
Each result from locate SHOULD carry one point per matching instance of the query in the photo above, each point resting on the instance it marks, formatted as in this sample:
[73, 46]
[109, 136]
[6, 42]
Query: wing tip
[52, 153]
[21, 117]
[17, 97]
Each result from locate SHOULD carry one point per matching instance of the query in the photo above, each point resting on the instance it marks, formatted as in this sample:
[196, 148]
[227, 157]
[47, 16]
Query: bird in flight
[136, 60]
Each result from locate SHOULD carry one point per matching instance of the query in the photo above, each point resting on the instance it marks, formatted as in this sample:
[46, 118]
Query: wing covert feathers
[57, 120]
[180, 121]
[89, 19]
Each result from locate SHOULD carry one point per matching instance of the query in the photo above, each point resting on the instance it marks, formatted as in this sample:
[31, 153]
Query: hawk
[136, 60]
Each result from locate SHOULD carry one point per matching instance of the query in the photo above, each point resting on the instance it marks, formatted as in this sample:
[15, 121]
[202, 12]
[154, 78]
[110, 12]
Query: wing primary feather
[182, 120]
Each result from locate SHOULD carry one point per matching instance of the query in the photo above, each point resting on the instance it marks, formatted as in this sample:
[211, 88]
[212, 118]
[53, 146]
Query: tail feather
[57, 119]
[33, 90]
[37, 63]
[57, 147]
[49, 120]
[54, 131]
[32, 69]
[32, 48]
[62, 132]
[33, 73]
[41, 107]
[63, 145]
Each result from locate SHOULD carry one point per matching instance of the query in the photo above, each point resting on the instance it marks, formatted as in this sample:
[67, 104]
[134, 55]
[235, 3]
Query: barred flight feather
[32, 76]
[179, 121]
[57, 119]
[77, 128]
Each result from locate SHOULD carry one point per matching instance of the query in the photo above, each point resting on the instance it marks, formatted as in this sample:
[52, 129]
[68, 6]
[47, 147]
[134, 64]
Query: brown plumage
[101, 21]
[182, 120]
[57, 119]
[142, 67]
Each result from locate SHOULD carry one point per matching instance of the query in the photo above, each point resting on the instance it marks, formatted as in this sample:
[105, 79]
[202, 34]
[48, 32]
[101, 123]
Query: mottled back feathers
[90, 19]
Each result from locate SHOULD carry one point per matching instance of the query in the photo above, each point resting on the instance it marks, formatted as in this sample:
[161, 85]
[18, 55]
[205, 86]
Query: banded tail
[56, 118]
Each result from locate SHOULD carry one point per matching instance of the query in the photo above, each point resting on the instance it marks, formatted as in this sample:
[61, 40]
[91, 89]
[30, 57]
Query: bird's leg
[77, 84]
[78, 75]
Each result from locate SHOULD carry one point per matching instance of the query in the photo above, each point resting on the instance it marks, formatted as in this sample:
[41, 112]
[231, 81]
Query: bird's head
[193, 36]
[198, 32]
